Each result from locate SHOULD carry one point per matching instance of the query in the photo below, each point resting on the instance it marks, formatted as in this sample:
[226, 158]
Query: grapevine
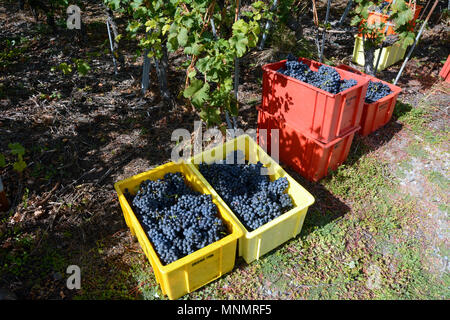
[373, 34]
[176, 24]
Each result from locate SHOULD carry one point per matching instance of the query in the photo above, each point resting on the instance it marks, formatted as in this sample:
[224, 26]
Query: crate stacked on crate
[389, 55]
[316, 118]
[376, 113]
[180, 202]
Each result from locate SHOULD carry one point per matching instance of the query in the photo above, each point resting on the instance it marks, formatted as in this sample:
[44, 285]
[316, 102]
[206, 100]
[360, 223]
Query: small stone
[16, 218]
[38, 213]
[47, 118]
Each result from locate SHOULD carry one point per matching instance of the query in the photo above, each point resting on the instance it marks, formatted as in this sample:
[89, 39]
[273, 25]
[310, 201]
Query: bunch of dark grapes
[345, 84]
[328, 79]
[177, 219]
[325, 78]
[253, 198]
[376, 91]
[295, 69]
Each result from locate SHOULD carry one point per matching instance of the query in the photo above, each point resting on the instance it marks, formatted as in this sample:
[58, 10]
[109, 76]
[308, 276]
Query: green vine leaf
[136, 3]
[183, 37]
[19, 166]
[240, 43]
[195, 86]
[199, 98]
[194, 49]
[114, 4]
[16, 149]
[65, 68]
[82, 67]
[210, 115]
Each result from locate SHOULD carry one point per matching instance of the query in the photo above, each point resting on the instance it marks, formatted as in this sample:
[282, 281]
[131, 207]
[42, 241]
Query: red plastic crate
[377, 17]
[445, 72]
[376, 114]
[319, 114]
[310, 158]
[417, 11]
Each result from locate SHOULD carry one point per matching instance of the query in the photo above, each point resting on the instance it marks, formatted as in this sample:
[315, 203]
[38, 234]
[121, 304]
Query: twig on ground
[47, 197]
[108, 172]
[76, 181]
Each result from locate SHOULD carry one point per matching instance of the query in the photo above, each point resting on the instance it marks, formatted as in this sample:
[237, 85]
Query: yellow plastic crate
[198, 268]
[274, 233]
[389, 55]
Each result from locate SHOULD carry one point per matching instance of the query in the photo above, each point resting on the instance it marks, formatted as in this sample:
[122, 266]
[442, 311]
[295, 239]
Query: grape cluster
[253, 198]
[325, 78]
[295, 69]
[345, 84]
[177, 219]
[376, 91]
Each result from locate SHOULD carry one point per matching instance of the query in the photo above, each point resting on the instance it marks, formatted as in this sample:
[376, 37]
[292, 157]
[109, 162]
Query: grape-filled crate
[200, 248]
[269, 209]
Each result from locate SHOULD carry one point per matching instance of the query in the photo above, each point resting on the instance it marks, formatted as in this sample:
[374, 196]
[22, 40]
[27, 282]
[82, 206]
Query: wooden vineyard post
[145, 72]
